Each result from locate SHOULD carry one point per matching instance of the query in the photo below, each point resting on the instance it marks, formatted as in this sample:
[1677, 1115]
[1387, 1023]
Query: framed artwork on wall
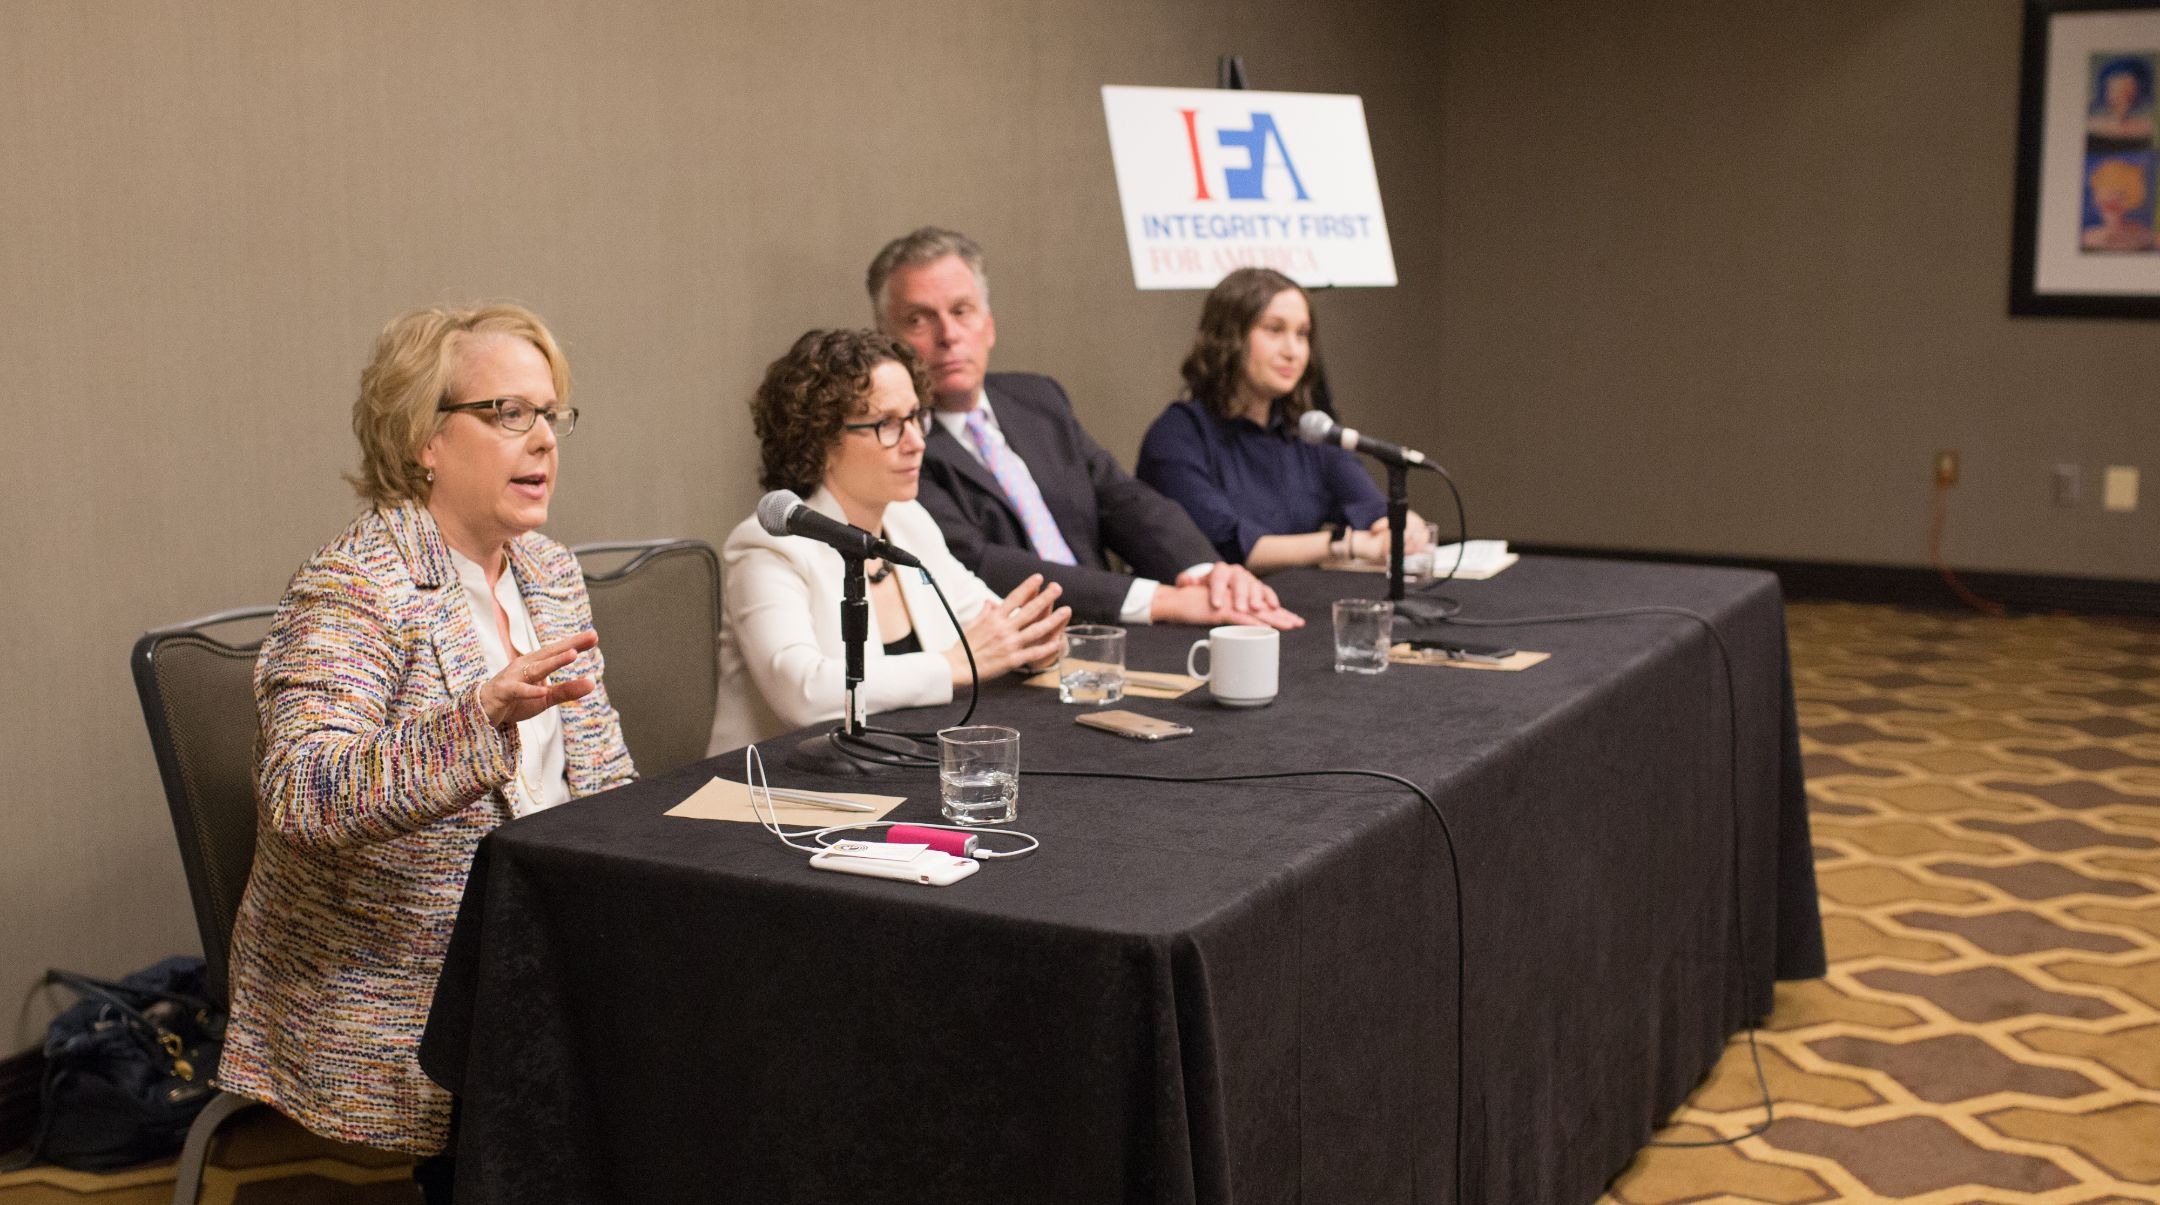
[2086, 187]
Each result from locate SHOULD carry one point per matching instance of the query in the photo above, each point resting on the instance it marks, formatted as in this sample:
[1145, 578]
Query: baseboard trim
[1906, 585]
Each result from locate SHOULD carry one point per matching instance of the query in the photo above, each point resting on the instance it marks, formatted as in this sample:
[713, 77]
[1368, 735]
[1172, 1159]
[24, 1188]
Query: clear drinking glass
[1364, 627]
[1092, 667]
[979, 774]
[1424, 566]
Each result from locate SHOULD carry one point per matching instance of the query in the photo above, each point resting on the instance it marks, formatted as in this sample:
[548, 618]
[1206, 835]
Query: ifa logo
[1245, 181]
[1212, 180]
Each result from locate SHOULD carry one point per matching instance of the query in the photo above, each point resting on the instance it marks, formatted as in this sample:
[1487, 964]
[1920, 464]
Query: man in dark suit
[1017, 485]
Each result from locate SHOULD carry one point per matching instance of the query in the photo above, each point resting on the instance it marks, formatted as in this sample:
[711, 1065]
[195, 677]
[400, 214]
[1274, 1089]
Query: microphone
[1317, 428]
[781, 513]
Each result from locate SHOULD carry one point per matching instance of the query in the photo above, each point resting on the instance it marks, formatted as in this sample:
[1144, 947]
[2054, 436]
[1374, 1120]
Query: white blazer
[782, 666]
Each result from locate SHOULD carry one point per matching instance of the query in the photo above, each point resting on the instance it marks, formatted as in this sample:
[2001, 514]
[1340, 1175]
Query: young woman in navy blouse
[1229, 453]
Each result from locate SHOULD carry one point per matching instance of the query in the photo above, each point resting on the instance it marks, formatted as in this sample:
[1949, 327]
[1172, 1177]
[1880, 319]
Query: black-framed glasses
[888, 428]
[518, 415]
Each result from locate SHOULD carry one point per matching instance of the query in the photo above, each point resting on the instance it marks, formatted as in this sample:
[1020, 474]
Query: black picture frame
[2060, 298]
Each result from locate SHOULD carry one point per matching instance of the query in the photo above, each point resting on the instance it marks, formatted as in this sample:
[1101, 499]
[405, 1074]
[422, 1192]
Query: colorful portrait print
[2118, 203]
[2117, 214]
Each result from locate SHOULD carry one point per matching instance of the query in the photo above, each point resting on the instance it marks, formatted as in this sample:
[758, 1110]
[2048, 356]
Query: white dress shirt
[1140, 596]
[542, 776]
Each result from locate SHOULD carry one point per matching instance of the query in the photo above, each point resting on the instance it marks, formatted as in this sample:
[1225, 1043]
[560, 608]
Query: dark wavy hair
[1216, 362]
[819, 384]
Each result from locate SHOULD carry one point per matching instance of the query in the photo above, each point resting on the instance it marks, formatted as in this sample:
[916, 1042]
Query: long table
[1193, 993]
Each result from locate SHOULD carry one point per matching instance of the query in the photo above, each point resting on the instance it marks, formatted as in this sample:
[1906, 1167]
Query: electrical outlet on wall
[2119, 488]
[2066, 485]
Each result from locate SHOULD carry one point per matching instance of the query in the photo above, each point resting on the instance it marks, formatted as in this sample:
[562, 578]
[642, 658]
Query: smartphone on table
[1134, 725]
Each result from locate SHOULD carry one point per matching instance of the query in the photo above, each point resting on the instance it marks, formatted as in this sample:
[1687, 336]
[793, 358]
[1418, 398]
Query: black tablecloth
[1193, 993]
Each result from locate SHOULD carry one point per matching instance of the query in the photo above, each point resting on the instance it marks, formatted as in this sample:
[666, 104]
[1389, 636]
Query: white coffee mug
[1241, 664]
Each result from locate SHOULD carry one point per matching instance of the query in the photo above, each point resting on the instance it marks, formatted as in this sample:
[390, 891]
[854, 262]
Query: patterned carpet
[1986, 799]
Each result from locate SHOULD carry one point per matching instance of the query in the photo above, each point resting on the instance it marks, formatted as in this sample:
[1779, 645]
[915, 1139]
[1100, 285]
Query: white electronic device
[888, 860]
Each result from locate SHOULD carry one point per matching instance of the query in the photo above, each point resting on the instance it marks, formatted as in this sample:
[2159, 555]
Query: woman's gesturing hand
[1021, 630]
[522, 690]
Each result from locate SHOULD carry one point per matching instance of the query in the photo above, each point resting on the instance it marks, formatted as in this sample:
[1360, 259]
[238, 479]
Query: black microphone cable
[862, 749]
[1732, 782]
[1445, 609]
[1462, 532]
[859, 747]
[1447, 837]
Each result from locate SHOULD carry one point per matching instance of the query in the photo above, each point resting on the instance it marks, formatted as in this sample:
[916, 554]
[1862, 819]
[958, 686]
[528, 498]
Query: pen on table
[813, 799]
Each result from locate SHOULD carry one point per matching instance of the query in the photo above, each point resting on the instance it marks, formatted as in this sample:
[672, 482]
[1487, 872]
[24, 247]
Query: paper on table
[1481, 559]
[1141, 684]
[724, 800]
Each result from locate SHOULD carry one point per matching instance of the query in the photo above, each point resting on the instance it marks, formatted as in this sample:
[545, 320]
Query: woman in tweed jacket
[430, 673]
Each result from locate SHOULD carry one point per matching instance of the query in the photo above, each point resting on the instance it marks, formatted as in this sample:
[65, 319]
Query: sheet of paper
[1139, 683]
[724, 800]
[1484, 557]
[1403, 654]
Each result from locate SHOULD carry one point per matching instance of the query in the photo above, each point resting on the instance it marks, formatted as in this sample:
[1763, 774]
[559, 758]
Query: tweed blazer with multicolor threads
[377, 774]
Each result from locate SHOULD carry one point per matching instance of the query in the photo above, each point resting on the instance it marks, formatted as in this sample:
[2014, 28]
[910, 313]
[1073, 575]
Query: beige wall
[1720, 278]
[1688, 276]
[208, 210]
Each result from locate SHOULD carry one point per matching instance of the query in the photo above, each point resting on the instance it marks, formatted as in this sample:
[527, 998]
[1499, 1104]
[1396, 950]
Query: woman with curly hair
[1229, 453]
[840, 420]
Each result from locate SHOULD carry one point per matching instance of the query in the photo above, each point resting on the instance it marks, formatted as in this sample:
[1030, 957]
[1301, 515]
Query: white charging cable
[754, 779]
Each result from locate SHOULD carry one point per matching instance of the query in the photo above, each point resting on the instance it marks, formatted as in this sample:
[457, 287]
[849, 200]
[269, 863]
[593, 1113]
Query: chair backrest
[198, 701]
[658, 615]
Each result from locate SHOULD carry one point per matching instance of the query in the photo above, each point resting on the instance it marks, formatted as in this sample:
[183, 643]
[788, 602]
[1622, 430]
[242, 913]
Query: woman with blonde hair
[431, 673]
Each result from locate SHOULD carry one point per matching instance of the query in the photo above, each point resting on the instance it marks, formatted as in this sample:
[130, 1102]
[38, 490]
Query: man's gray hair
[926, 245]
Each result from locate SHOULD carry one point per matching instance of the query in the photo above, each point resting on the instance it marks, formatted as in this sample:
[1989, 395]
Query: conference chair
[658, 615]
[198, 701]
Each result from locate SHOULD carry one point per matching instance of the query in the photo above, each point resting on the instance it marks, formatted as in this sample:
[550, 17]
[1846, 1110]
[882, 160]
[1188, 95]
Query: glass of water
[979, 774]
[1092, 668]
[1364, 628]
[1425, 566]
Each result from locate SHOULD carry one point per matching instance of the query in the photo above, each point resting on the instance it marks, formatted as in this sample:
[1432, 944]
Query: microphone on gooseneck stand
[782, 513]
[847, 749]
[1317, 428]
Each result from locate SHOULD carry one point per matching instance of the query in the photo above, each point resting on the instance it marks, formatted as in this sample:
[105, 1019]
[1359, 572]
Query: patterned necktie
[1020, 490]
